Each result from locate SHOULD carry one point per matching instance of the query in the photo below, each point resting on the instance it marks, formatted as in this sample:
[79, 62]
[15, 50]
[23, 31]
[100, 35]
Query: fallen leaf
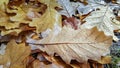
[20, 17]
[38, 64]
[3, 4]
[50, 3]
[102, 19]
[15, 2]
[105, 60]
[68, 9]
[81, 44]
[47, 20]
[12, 32]
[32, 14]
[5, 22]
[15, 54]
[73, 22]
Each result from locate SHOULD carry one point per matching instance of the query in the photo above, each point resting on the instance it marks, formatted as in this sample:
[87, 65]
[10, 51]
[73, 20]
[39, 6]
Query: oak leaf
[20, 17]
[14, 55]
[5, 21]
[68, 9]
[47, 20]
[105, 60]
[102, 19]
[81, 44]
[12, 32]
[50, 3]
[38, 64]
[3, 4]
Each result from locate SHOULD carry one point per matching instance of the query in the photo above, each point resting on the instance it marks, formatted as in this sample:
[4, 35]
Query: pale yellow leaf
[102, 19]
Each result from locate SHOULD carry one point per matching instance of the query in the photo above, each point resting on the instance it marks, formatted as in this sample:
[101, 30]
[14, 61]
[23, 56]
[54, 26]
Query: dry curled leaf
[80, 45]
[15, 55]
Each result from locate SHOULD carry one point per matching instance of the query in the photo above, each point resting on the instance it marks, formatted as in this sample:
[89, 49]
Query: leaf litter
[65, 34]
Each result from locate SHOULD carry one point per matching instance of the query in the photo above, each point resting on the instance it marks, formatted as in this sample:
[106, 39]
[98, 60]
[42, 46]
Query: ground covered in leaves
[59, 33]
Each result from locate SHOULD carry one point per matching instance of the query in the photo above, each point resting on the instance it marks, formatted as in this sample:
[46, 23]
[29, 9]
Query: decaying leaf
[81, 44]
[102, 19]
[14, 55]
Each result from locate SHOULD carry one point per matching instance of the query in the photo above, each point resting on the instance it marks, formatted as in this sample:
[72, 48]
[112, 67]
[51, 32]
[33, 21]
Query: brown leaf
[15, 55]
[72, 21]
[38, 64]
[81, 44]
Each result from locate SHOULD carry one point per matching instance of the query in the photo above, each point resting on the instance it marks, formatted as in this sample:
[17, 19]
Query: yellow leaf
[47, 20]
[20, 17]
[4, 21]
[3, 3]
[50, 3]
[14, 32]
[105, 60]
[81, 44]
[15, 55]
